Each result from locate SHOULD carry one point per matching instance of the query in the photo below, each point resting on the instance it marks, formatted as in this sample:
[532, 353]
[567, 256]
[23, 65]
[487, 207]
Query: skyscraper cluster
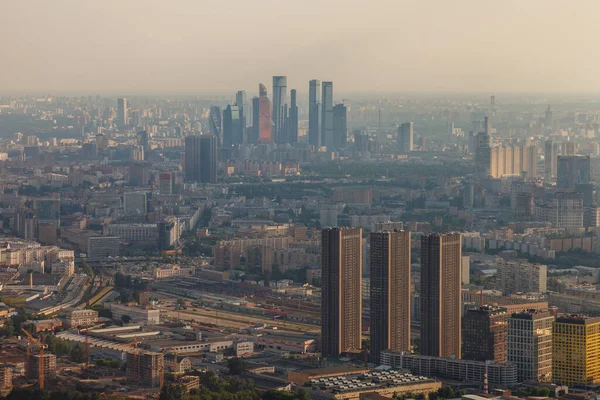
[275, 119]
[390, 292]
[327, 123]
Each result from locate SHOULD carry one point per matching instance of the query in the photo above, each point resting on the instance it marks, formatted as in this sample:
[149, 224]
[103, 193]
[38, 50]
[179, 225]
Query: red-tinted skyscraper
[265, 134]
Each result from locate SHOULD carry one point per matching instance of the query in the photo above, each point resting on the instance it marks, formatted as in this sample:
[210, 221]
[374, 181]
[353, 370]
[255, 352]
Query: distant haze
[217, 47]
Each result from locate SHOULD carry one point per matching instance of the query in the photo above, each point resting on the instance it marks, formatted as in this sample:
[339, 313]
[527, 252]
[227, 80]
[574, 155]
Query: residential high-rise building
[521, 276]
[200, 159]
[484, 334]
[405, 138]
[143, 140]
[390, 293]
[513, 160]
[233, 131]
[47, 211]
[551, 150]
[122, 117]
[292, 125]
[145, 368]
[548, 117]
[340, 126]
[208, 159]
[575, 348]
[569, 210]
[341, 299]
[279, 108]
[215, 123]
[47, 365]
[327, 115]
[572, 170]
[254, 131]
[135, 203]
[529, 345]
[314, 113]
[567, 149]
[265, 130]
[165, 183]
[483, 151]
[441, 257]
[487, 125]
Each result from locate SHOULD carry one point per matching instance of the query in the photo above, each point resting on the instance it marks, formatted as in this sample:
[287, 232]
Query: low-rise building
[454, 369]
[173, 271]
[76, 318]
[138, 314]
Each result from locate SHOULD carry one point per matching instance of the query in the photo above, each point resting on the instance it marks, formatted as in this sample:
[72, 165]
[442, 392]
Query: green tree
[173, 392]
[236, 365]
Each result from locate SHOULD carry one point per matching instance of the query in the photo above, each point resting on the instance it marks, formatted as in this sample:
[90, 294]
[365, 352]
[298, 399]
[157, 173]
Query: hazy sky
[211, 46]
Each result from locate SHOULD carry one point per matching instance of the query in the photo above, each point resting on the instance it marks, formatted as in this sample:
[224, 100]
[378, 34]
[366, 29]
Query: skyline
[153, 48]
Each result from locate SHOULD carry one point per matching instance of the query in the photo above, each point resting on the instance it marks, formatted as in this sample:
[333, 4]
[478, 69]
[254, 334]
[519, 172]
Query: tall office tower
[215, 123]
[487, 125]
[279, 107]
[265, 129]
[123, 118]
[551, 158]
[208, 159]
[572, 170]
[200, 159]
[575, 344]
[314, 113]
[390, 292]
[136, 119]
[483, 152]
[569, 210]
[450, 128]
[233, 132]
[340, 126]
[530, 161]
[142, 140]
[341, 299]
[406, 133]
[292, 124]
[327, 115]
[135, 203]
[165, 183]
[242, 102]
[493, 102]
[441, 256]
[47, 211]
[548, 117]
[484, 334]
[529, 345]
[568, 149]
[254, 131]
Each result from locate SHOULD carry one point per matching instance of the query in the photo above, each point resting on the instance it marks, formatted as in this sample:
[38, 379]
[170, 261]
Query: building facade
[441, 284]
[341, 300]
[484, 334]
[529, 345]
[390, 292]
[576, 350]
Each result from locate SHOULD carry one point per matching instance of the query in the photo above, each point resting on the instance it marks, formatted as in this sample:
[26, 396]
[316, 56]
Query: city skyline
[429, 53]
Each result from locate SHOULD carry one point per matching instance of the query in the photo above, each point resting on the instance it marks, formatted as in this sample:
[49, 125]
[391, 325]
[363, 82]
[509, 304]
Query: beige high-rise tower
[341, 300]
[441, 295]
[390, 292]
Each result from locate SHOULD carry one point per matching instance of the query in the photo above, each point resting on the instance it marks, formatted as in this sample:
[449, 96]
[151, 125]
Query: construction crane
[87, 349]
[41, 346]
[175, 362]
